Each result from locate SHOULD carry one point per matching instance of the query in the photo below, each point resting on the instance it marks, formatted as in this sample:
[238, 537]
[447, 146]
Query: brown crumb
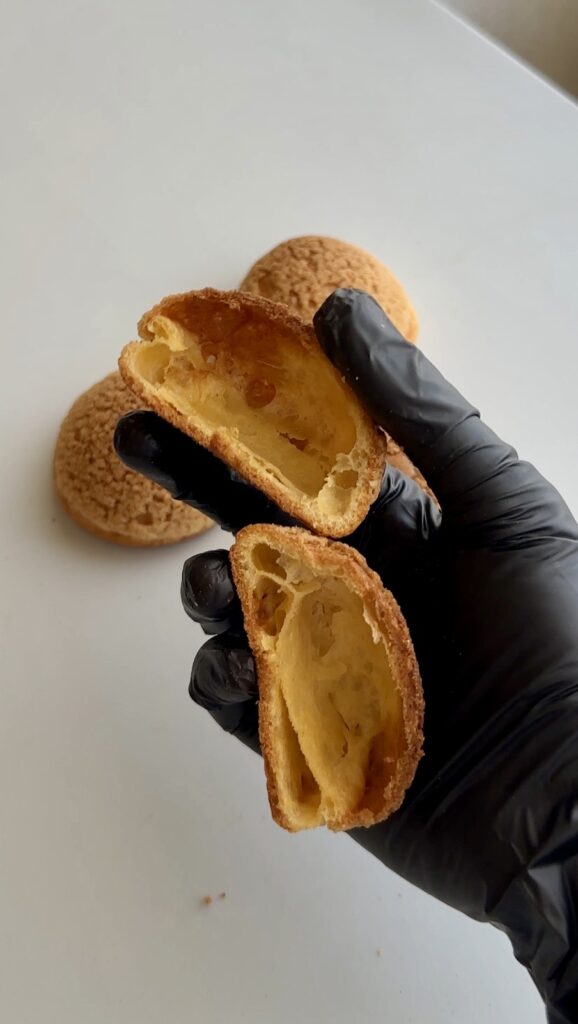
[222, 895]
[379, 952]
[207, 900]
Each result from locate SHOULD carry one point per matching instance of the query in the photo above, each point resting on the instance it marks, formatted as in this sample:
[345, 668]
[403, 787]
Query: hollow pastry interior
[271, 404]
[332, 716]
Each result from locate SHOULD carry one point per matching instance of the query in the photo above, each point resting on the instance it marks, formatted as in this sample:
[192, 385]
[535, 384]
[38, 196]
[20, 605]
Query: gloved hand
[490, 592]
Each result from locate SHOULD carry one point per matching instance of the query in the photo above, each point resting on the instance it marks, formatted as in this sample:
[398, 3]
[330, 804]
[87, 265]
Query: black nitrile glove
[490, 593]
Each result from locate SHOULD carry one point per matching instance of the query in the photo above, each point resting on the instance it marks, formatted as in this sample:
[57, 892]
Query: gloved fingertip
[347, 316]
[224, 683]
[223, 673]
[208, 593]
[136, 442]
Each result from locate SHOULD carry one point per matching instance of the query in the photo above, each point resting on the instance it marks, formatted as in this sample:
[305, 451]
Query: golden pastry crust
[303, 271]
[248, 380]
[385, 786]
[99, 492]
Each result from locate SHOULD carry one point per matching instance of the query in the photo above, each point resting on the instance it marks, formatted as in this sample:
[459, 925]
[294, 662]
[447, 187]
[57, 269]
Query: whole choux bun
[303, 271]
[98, 491]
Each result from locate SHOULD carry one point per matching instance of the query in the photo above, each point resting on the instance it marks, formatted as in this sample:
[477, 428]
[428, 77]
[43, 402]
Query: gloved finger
[404, 541]
[153, 447]
[404, 515]
[208, 592]
[395, 539]
[397, 458]
[401, 534]
[478, 478]
[224, 682]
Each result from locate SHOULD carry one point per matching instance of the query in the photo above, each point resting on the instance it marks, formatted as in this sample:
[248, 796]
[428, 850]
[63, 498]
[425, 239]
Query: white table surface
[149, 147]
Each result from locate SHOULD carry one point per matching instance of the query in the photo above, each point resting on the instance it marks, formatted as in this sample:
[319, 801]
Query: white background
[149, 147]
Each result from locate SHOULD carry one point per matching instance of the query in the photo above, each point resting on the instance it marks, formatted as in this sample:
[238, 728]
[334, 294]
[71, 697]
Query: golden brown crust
[210, 314]
[118, 538]
[101, 494]
[302, 272]
[346, 563]
[220, 307]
